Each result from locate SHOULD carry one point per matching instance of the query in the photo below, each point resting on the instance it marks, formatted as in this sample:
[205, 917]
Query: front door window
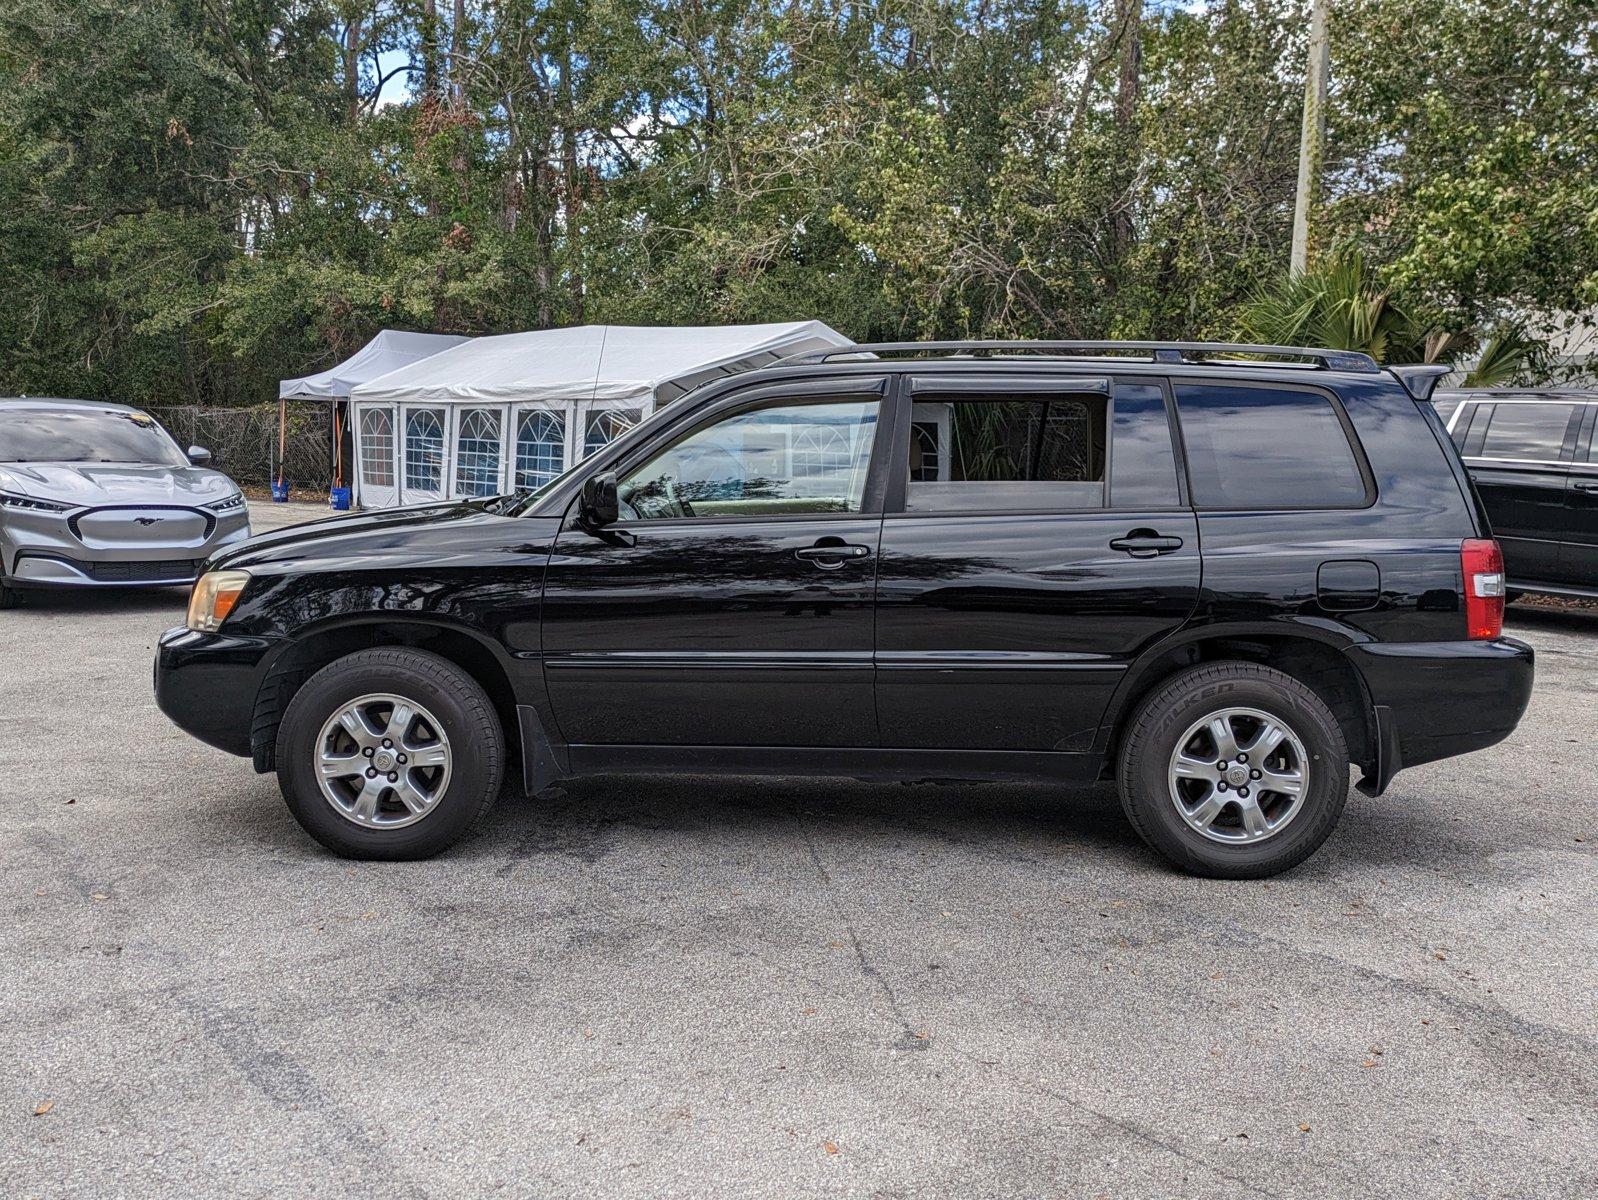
[789, 459]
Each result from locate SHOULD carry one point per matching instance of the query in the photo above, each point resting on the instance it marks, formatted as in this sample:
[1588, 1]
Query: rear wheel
[1234, 770]
[390, 754]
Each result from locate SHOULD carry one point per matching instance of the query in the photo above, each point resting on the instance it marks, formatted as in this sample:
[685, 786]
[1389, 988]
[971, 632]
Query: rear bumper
[1439, 699]
[207, 684]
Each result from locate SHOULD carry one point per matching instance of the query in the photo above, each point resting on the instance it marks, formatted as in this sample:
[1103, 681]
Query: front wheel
[1233, 770]
[390, 754]
[10, 597]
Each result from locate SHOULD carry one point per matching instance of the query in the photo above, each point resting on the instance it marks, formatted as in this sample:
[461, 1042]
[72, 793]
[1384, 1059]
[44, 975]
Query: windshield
[57, 435]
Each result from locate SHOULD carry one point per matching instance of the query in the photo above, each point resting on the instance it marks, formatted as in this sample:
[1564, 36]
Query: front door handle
[830, 555]
[1145, 543]
[1587, 487]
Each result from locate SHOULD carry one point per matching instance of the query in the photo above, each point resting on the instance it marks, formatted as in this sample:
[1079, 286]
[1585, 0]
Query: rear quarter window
[1532, 431]
[1265, 447]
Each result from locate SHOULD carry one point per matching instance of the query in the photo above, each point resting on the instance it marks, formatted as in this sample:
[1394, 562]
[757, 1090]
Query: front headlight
[213, 599]
[232, 504]
[31, 503]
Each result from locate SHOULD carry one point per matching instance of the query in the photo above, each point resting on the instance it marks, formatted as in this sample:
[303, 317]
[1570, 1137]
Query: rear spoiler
[1420, 379]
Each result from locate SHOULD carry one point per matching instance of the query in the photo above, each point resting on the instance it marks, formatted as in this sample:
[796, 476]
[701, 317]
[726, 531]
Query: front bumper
[207, 684]
[62, 550]
[1438, 699]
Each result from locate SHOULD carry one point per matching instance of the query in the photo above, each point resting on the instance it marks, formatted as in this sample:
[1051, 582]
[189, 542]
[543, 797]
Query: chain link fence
[243, 441]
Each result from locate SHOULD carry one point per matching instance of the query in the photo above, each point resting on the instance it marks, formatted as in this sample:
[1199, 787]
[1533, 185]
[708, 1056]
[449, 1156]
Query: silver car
[98, 495]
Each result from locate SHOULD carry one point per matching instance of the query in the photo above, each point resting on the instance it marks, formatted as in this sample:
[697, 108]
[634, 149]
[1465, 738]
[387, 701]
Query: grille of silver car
[179, 570]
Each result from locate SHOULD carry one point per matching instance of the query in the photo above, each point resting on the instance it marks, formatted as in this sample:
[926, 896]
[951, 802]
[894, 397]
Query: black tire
[450, 695]
[10, 597]
[1145, 783]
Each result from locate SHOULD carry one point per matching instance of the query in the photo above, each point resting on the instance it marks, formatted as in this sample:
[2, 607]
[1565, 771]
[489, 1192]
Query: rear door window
[1006, 452]
[1268, 447]
[1142, 461]
[1527, 430]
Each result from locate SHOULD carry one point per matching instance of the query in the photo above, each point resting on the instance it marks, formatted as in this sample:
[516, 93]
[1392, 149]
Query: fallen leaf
[1440, 956]
[99, 896]
[1370, 1062]
[830, 1147]
[810, 1012]
[74, 800]
[1425, 1020]
[44, 1107]
[1303, 1128]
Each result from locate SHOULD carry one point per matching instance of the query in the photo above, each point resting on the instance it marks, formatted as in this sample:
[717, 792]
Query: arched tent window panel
[377, 448]
[603, 425]
[478, 460]
[376, 443]
[540, 446]
[424, 452]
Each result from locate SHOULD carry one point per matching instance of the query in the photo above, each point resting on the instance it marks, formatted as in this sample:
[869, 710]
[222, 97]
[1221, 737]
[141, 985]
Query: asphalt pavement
[695, 988]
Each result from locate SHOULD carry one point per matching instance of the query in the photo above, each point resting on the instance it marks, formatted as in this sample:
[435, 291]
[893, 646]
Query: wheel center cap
[383, 760]
[1237, 775]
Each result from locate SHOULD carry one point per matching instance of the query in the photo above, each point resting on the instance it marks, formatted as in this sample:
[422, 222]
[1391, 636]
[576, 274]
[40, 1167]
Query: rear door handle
[1587, 487]
[831, 557]
[1145, 543]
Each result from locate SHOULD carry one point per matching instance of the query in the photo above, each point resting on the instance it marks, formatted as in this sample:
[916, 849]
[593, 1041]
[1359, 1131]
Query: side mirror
[597, 506]
[199, 456]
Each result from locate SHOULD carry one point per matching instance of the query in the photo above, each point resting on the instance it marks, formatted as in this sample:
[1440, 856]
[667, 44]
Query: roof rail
[1160, 352]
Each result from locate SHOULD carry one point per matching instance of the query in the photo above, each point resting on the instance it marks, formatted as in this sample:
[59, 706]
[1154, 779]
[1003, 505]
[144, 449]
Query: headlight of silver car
[213, 599]
[232, 504]
[32, 503]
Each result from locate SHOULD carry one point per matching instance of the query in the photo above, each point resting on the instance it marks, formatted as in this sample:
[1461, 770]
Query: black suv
[1533, 457]
[1219, 579]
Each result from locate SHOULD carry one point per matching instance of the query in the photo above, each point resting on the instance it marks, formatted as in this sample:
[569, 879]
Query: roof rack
[1160, 352]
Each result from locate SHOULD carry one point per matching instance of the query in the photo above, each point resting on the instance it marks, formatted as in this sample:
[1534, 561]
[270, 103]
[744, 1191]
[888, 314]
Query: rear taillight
[1483, 565]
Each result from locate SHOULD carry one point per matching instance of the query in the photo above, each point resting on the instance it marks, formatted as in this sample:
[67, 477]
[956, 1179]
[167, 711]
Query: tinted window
[1142, 463]
[997, 453]
[89, 435]
[794, 458]
[1257, 447]
[1527, 430]
[1462, 426]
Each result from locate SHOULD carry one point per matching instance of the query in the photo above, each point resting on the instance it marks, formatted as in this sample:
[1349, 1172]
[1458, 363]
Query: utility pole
[1312, 143]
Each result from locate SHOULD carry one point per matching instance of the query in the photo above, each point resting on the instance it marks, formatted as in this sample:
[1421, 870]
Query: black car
[1219, 580]
[1533, 456]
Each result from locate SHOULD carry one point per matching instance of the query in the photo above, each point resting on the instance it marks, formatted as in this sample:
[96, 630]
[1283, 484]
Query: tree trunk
[429, 38]
[1312, 143]
[457, 56]
[1129, 21]
[572, 200]
[351, 53]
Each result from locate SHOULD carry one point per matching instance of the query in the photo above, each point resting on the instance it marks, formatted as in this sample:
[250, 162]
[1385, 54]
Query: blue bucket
[339, 499]
[280, 493]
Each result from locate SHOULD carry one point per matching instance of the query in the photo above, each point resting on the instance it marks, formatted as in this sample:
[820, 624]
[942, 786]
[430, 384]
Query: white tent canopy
[593, 362]
[390, 350]
[496, 413]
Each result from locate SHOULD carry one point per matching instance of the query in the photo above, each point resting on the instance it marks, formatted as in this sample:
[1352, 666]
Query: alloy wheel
[1238, 775]
[383, 761]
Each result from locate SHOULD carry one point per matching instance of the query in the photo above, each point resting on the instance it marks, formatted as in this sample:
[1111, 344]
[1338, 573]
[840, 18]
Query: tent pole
[282, 435]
